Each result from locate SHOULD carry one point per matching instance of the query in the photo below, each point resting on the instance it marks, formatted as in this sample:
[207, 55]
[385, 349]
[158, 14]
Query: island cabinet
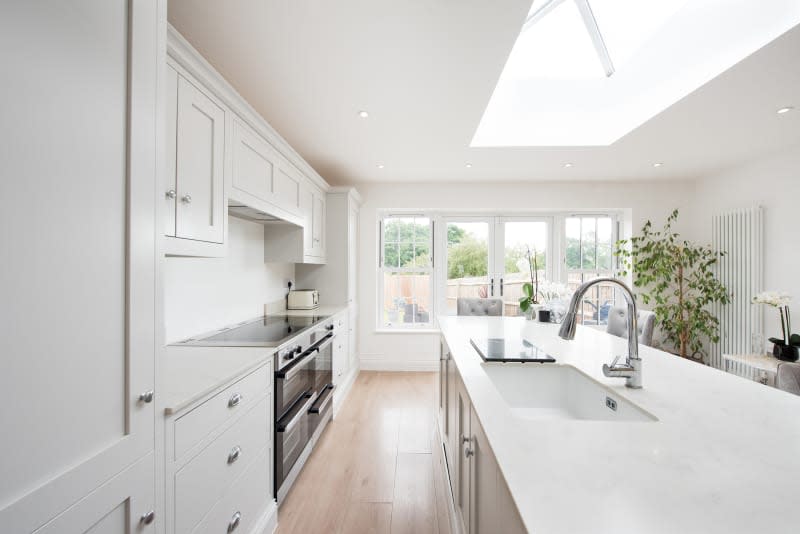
[482, 501]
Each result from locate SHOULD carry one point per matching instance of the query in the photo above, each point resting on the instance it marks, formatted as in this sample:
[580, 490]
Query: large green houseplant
[677, 277]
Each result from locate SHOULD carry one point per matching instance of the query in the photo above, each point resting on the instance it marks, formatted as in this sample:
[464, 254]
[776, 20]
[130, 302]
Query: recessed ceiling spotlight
[468, 165]
[363, 114]
[787, 109]
[657, 165]
[380, 165]
[567, 165]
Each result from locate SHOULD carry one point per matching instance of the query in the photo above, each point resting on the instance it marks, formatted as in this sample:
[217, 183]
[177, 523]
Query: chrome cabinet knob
[235, 520]
[147, 518]
[147, 396]
[234, 454]
[235, 399]
[468, 452]
[464, 439]
[186, 199]
[172, 194]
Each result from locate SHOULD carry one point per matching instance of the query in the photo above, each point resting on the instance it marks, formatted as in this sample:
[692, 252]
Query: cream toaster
[303, 299]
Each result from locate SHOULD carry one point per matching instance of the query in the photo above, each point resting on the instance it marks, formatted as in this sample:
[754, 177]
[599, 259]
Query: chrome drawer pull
[147, 518]
[147, 397]
[235, 520]
[235, 399]
[234, 454]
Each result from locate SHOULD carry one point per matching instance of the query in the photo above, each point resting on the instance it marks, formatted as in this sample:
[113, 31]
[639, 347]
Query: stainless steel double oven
[303, 394]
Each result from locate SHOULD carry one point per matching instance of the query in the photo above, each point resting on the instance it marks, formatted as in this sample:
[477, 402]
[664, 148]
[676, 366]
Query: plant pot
[544, 316]
[787, 353]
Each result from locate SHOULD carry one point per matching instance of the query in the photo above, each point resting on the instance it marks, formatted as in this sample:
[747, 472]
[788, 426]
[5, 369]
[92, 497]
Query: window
[406, 277]
[588, 254]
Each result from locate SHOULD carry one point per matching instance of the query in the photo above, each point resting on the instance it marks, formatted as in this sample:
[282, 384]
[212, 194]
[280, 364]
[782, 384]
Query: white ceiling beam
[546, 7]
[594, 33]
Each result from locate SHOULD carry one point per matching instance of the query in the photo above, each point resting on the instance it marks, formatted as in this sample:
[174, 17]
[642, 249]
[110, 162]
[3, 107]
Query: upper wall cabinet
[262, 178]
[195, 217]
[225, 159]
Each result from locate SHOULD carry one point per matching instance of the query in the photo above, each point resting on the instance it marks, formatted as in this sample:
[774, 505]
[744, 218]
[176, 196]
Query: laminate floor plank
[376, 468]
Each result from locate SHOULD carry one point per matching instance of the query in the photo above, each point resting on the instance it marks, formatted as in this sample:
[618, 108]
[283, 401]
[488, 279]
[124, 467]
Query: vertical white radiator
[739, 234]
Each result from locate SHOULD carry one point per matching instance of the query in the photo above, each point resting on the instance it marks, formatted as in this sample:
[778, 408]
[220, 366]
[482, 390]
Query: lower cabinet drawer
[209, 475]
[236, 398]
[244, 504]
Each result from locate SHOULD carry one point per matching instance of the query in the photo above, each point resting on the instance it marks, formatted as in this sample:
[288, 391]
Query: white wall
[416, 351]
[202, 294]
[772, 182]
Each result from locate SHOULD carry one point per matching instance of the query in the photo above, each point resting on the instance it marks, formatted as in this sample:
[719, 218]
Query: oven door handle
[329, 396]
[300, 414]
[297, 367]
[327, 340]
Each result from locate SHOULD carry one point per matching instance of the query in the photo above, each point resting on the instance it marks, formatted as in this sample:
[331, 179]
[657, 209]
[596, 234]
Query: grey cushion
[645, 323]
[788, 378]
[467, 306]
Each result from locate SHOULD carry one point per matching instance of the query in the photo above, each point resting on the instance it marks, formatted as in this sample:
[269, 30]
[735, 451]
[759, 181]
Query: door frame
[496, 249]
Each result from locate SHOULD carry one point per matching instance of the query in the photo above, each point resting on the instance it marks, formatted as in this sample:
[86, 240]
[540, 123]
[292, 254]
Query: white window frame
[615, 236]
[430, 270]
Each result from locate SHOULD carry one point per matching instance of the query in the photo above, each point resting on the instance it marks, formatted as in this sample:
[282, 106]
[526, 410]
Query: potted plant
[785, 348]
[679, 278]
[529, 302]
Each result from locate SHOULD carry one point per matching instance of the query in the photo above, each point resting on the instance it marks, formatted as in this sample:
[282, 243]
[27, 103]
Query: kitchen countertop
[724, 455]
[193, 372]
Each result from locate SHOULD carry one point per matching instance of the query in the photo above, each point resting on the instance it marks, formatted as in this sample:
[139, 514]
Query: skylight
[587, 72]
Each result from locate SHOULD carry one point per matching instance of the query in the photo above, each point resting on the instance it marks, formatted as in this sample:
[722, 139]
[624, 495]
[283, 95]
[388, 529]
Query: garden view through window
[492, 257]
[407, 271]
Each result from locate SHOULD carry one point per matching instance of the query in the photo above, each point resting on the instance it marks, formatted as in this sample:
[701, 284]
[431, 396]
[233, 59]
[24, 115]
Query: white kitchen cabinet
[312, 206]
[219, 452]
[79, 295]
[341, 358]
[481, 498]
[261, 178]
[462, 456]
[196, 212]
[123, 505]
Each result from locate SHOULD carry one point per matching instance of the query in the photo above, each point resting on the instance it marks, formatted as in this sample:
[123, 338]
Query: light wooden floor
[377, 468]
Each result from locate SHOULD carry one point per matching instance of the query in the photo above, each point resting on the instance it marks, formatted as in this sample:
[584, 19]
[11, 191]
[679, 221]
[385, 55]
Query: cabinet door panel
[483, 486]
[116, 507]
[79, 288]
[462, 461]
[352, 255]
[201, 146]
[318, 233]
[286, 190]
[170, 134]
[307, 212]
[253, 163]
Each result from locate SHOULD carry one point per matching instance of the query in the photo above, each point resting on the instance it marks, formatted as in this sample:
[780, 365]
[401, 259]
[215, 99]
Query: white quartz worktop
[192, 372]
[724, 455]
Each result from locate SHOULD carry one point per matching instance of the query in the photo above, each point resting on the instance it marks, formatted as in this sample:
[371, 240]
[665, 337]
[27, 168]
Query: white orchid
[772, 298]
[780, 301]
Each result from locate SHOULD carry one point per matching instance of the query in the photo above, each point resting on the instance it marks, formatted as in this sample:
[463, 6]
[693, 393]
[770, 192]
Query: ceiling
[425, 72]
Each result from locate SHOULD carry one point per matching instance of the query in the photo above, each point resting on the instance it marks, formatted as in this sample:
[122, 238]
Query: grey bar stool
[788, 377]
[485, 307]
[618, 325]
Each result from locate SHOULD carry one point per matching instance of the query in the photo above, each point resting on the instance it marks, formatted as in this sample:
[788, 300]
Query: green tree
[677, 276]
[467, 257]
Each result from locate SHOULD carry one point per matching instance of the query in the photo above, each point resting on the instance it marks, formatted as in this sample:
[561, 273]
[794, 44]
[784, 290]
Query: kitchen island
[715, 453]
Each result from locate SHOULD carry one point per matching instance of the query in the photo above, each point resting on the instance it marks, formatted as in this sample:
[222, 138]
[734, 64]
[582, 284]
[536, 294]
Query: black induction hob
[267, 331]
[509, 349]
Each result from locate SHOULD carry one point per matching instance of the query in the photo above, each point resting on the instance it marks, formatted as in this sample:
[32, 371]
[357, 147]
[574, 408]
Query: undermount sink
[559, 392]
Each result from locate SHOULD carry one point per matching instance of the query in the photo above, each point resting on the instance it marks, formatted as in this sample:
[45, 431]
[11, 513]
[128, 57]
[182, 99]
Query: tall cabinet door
[463, 453]
[483, 486]
[200, 165]
[79, 228]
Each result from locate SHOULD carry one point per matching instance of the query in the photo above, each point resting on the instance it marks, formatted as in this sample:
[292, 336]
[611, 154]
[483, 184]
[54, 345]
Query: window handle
[491, 286]
[501, 287]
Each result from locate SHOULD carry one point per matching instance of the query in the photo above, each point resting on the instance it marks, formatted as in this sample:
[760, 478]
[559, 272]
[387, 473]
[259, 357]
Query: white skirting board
[426, 366]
